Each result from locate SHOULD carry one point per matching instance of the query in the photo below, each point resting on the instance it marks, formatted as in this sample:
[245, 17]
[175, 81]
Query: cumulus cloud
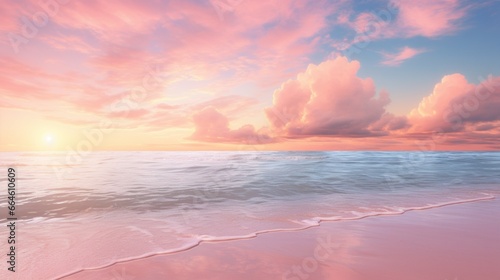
[329, 99]
[389, 122]
[456, 105]
[212, 126]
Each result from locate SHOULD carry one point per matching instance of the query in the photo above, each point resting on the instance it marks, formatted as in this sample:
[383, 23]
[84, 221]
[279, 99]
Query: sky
[249, 75]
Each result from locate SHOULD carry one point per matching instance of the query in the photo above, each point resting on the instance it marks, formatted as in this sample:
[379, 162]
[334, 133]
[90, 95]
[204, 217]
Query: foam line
[314, 222]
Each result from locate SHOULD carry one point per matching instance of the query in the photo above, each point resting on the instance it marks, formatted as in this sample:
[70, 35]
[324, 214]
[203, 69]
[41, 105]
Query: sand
[456, 242]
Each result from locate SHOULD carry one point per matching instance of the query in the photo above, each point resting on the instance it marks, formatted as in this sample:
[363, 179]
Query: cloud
[69, 43]
[403, 19]
[389, 122]
[486, 127]
[428, 18]
[395, 59]
[328, 99]
[456, 105]
[212, 126]
[128, 18]
[103, 65]
[8, 17]
[23, 83]
[231, 105]
[131, 114]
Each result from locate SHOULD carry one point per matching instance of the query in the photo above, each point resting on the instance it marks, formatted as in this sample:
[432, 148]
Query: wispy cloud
[405, 53]
[404, 19]
[429, 18]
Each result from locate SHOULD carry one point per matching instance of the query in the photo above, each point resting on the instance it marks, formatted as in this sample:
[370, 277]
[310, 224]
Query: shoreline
[139, 267]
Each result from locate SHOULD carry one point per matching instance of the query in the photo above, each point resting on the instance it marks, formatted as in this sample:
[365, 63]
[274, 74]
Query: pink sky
[237, 75]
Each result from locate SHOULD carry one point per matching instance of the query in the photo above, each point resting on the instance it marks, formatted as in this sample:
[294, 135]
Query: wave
[306, 224]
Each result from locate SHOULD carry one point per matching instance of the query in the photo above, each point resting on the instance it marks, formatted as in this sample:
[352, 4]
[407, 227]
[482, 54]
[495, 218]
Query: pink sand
[450, 243]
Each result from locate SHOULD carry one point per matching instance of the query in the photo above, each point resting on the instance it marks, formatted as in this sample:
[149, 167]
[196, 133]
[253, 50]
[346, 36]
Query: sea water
[91, 211]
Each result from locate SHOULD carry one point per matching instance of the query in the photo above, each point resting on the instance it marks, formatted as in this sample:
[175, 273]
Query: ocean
[89, 212]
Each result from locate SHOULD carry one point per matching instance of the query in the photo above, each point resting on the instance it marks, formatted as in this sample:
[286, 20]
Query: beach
[454, 242]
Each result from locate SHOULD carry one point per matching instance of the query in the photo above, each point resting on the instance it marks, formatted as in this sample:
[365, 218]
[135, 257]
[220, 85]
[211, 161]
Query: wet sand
[454, 242]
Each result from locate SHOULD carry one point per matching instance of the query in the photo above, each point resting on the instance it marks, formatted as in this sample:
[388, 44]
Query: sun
[49, 139]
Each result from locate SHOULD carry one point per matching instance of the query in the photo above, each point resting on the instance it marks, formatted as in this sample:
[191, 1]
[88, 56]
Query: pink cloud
[231, 105]
[262, 42]
[129, 114]
[29, 87]
[255, 46]
[212, 126]
[70, 43]
[389, 122]
[9, 17]
[456, 105]
[258, 41]
[166, 107]
[228, 107]
[428, 18]
[394, 59]
[327, 99]
[127, 19]
[282, 36]
[404, 19]
[24, 82]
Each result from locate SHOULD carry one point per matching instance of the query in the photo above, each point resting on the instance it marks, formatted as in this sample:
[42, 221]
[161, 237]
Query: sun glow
[49, 139]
